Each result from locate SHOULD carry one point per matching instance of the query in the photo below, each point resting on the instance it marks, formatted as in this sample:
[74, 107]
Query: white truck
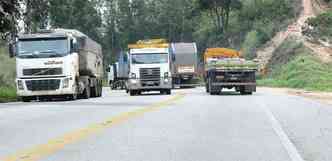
[57, 63]
[150, 67]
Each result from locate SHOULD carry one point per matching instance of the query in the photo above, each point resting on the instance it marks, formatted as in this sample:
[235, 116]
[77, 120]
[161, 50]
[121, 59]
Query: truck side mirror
[12, 50]
[74, 46]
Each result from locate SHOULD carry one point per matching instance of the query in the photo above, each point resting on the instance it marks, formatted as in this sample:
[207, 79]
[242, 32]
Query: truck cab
[50, 63]
[150, 68]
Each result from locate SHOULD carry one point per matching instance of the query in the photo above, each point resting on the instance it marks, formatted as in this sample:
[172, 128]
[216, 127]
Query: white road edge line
[288, 145]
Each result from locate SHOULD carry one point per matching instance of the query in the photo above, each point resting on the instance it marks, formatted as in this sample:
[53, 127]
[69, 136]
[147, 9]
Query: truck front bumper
[233, 84]
[46, 86]
[138, 84]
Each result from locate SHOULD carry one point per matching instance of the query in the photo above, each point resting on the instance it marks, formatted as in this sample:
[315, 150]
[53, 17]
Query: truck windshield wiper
[52, 53]
[47, 51]
[56, 55]
[28, 54]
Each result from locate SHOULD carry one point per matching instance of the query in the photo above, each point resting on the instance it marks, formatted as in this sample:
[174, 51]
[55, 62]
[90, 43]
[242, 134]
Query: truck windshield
[42, 47]
[150, 58]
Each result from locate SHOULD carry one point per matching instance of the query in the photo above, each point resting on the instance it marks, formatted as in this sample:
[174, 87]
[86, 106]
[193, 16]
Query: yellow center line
[40, 151]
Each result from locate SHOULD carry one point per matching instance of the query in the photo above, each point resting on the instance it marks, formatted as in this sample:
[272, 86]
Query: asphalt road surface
[189, 125]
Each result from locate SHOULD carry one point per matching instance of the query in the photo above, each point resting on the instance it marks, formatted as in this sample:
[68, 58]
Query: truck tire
[87, 92]
[168, 92]
[26, 99]
[72, 97]
[100, 93]
[94, 91]
[212, 90]
[132, 92]
[245, 93]
[207, 87]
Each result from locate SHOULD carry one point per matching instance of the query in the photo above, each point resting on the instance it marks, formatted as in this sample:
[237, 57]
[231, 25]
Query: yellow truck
[224, 68]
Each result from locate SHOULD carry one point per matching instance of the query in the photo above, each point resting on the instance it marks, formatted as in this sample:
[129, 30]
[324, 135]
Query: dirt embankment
[310, 9]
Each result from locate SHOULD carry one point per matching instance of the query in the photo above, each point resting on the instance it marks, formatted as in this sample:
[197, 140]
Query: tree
[220, 11]
[9, 13]
[35, 15]
[77, 14]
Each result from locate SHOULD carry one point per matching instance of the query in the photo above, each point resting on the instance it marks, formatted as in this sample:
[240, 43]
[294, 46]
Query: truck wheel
[132, 92]
[100, 94]
[72, 97]
[245, 93]
[207, 88]
[168, 92]
[87, 93]
[94, 91]
[26, 99]
[212, 90]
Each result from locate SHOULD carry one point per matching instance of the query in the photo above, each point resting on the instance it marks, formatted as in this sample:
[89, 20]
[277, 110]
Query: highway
[189, 125]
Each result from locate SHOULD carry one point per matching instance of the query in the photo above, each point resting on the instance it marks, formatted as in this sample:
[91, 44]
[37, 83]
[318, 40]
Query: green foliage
[7, 66]
[250, 45]
[301, 70]
[7, 94]
[7, 76]
[321, 26]
[286, 52]
[9, 11]
[77, 14]
[250, 26]
[35, 15]
[220, 11]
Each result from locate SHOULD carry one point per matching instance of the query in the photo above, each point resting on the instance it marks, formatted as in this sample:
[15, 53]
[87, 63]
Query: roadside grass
[7, 94]
[305, 71]
[7, 75]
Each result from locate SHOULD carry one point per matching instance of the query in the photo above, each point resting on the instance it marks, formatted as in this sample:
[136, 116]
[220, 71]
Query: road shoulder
[322, 97]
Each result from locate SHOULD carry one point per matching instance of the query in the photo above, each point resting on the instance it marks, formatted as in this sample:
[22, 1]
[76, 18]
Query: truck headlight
[133, 75]
[166, 80]
[133, 81]
[166, 75]
[20, 85]
[65, 83]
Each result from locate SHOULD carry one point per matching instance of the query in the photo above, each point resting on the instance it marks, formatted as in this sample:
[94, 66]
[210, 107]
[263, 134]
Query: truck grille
[43, 85]
[42, 71]
[150, 76]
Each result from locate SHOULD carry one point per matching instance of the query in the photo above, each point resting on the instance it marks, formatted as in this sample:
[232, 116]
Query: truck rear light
[220, 77]
[20, 85]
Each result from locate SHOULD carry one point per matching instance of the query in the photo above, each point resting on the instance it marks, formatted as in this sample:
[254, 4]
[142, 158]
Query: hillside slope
[265, 54]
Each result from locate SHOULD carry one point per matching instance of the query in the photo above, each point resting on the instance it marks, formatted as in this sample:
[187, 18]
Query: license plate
[220, 77]
[150, 83]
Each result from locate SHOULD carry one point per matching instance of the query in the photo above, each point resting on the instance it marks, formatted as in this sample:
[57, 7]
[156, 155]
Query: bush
[250, 45]
[286, 52]
[7, 94]
[305, 71]
[7, 68]
[321, 26]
